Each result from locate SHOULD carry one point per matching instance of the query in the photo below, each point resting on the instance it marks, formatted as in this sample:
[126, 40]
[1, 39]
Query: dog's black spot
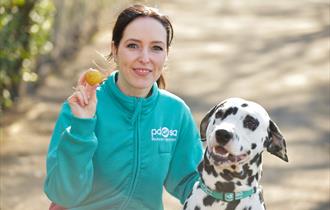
[229, 186]
[261, 197]
[250, 123]
[224, 186]
[197, 208]
[257, 176]
[249, 152]
[185, 205]
[241, 149]
[227, 175]
[213, 121]
[254, 159]
[210, 170]
[233, 167]
[232, 205]
[257, 159]
[200, 167]
[208, 200]
[253, 146]
[186, 202]
[229, 111]
[251, 178]
[246, 171]
[244, 105]
[208, 167]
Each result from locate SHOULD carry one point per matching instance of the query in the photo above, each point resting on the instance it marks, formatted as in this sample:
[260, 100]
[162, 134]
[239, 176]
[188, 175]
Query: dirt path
[273, 52]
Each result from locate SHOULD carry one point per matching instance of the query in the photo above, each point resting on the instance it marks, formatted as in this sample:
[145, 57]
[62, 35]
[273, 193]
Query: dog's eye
[250, 123]
[219, 114]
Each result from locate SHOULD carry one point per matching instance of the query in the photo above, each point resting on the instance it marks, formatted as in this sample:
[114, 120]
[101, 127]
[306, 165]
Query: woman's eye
[157, 48]
[133, 46]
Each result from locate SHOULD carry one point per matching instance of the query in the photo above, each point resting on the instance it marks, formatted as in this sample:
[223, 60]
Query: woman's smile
[142, 72]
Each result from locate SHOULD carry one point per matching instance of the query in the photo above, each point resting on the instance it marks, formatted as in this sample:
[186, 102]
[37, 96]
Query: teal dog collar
[226, 196]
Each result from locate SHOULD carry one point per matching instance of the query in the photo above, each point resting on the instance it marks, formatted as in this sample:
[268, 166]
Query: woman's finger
[93, 92]
[84, 92]
[77, 98]
[81, 80]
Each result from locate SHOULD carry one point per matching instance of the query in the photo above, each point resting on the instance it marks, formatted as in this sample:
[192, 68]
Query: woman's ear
[114, 51]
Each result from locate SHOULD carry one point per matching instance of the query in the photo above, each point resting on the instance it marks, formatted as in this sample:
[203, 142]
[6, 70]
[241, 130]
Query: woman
[115, 146]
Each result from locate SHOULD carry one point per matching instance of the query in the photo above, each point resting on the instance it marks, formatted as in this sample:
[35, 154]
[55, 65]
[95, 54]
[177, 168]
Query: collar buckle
[228, 196]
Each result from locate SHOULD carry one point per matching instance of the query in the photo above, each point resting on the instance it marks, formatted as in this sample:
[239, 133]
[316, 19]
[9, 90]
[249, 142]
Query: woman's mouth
[221, 155]
[142, 71]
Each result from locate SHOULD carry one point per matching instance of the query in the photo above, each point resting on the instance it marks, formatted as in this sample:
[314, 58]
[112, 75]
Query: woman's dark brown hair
[131, 13]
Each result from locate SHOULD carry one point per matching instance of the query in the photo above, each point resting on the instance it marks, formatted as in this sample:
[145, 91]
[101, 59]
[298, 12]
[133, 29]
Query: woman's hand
[83, 100]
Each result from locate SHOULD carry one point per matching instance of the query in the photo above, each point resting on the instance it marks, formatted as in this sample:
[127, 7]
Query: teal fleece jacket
[122, 158]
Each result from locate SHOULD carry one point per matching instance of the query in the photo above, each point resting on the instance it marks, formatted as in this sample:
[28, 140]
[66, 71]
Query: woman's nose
[145, 56]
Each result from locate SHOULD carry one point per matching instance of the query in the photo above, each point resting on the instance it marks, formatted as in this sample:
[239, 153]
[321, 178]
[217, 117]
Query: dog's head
[237, 130]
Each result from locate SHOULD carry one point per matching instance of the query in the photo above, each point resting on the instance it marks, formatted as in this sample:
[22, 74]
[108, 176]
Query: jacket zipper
[136, 120]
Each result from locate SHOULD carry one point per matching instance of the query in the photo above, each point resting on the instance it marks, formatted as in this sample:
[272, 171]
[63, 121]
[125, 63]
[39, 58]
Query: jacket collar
[131, 104]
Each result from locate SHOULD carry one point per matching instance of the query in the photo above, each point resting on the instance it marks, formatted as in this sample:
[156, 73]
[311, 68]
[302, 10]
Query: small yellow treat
[93, 77]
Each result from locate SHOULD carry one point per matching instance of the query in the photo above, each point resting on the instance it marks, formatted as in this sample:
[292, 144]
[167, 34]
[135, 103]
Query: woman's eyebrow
[132, 40]
[139, 41]
[158, 42]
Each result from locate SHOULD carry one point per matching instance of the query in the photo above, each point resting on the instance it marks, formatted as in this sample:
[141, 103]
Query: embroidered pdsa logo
[163, 134]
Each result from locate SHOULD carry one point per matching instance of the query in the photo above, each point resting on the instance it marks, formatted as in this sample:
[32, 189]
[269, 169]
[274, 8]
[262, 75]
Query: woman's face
[140, 56]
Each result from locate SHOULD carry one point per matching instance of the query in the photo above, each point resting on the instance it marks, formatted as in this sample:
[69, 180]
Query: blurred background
[273, 52]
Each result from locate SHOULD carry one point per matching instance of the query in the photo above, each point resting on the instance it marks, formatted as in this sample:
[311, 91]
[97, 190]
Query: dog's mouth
[221, 155]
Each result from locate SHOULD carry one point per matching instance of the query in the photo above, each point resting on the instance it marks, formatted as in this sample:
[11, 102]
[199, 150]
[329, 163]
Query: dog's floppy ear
[205, 123]
[275, 143]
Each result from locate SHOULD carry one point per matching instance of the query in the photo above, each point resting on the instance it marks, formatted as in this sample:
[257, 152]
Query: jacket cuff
[82, 127]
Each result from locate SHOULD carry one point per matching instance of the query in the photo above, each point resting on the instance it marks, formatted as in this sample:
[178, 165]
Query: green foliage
[25, 27]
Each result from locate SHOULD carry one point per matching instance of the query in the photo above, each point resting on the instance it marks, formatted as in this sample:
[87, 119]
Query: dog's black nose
[223, 136]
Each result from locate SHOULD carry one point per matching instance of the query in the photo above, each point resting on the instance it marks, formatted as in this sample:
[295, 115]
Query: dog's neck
[232, 179]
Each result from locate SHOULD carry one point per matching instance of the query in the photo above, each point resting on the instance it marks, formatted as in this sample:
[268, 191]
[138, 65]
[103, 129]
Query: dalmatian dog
[236, 132]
